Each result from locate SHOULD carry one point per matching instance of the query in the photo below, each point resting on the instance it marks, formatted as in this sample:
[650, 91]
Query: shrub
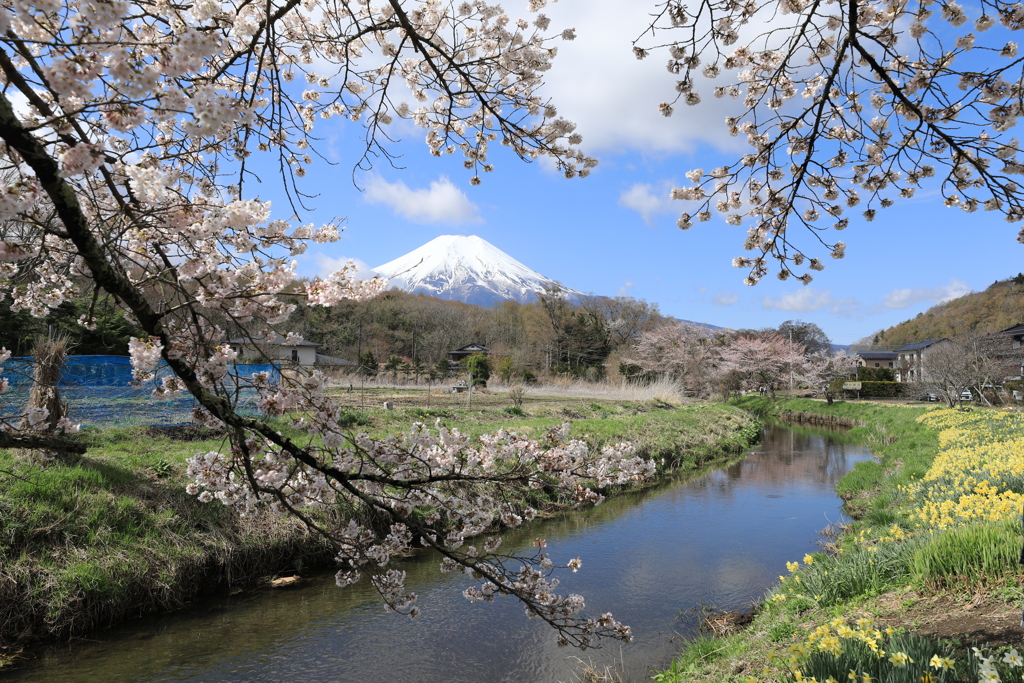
[516, 394]
[352, 418]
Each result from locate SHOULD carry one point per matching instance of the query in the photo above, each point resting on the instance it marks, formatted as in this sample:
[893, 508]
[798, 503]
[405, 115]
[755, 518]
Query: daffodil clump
[978, 474]
[841, 651]
[792, 586]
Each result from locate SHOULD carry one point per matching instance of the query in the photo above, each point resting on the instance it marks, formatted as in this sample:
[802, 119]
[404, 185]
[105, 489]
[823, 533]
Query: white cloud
[441, 202]
[725, 298]
[902, 298]
[597, 82]
[325, 265]
[645, 200]
[806, 299]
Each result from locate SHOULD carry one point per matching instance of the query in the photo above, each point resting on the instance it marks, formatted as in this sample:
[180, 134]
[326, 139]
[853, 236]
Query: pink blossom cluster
[411, 478]
[144, 355]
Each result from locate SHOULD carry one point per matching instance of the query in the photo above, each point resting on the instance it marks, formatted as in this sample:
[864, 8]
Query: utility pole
[791, 367]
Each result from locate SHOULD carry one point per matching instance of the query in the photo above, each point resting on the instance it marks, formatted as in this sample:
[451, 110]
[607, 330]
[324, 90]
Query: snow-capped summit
[467, 269]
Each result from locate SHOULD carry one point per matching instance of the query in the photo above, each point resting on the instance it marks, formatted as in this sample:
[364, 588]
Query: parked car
[928, 397]
[966, 395]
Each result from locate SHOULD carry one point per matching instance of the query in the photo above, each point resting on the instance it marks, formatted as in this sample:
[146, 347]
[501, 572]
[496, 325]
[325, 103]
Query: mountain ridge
[998, 307]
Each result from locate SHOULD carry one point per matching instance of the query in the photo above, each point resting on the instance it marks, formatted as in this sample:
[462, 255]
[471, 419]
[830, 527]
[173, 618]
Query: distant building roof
[877, 355]
[279, 342]
[472, 348]
[1015, 330]
[920, 345]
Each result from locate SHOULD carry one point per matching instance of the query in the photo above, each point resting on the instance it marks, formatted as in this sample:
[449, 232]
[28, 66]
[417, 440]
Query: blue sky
[614, 232]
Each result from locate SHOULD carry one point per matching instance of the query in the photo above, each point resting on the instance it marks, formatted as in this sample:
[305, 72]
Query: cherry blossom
[125, 170]
[844, 105]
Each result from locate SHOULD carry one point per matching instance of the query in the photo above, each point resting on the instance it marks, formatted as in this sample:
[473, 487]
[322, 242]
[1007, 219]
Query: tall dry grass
[556, 387]
[50, 355]
[613, 390]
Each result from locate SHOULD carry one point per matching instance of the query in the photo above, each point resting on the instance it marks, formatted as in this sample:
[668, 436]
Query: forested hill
[997, 308]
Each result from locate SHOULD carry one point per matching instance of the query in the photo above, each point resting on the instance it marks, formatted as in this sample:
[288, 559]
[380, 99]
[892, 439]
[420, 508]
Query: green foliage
[479, 366]
[110, 336]
[698, 652]
[393, 365]
[781, 632]
[969, 553]
[869, 374]
[857, 572]
[353, 418]
[865, 476]
[506, 369]
[515, 411]
[162, 467]
[442, 369]
[422, 414]
[368, 365]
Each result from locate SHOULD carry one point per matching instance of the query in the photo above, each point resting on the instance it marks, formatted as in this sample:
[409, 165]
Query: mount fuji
[467, 269]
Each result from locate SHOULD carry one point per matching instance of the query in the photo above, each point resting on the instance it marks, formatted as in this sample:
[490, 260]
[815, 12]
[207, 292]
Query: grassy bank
[113, 535]
[926, 572]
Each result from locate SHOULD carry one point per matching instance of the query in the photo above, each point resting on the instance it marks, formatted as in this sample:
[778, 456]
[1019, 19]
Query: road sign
[851, 386]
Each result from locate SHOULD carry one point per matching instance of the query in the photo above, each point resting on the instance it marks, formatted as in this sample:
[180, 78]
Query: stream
[652, 558]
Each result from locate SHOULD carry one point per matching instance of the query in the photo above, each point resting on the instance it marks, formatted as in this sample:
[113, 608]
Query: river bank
[926, 570]
[114, 536]
[652, 557]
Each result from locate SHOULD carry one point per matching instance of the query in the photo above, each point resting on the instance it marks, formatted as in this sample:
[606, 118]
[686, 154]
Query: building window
[295, 355]
[890, 364]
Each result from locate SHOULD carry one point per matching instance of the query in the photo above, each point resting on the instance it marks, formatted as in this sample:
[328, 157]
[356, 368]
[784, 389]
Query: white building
[911, 366]
[260, 351]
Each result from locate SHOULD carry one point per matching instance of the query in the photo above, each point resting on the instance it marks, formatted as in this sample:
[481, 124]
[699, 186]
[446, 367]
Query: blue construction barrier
[98, 391]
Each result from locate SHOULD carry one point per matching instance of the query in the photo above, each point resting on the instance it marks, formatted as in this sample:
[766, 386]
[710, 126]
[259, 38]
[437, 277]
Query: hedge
[874, 389]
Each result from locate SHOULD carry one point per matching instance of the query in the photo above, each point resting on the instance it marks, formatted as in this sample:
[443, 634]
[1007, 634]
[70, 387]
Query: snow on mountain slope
[467, 269]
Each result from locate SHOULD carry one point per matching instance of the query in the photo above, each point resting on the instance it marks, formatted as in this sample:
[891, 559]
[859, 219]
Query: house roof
[280, 342]
[472, 348]
[877, 355]
[920, 345]
[1015, 330]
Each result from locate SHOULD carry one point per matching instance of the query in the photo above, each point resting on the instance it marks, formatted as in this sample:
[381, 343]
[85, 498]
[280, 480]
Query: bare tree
[956, 368]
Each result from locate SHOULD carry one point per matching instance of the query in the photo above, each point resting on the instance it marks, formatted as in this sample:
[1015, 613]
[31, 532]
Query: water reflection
[649, 558]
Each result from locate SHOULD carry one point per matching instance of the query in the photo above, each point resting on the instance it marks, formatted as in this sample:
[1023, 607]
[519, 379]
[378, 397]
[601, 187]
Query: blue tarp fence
[98, 391]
